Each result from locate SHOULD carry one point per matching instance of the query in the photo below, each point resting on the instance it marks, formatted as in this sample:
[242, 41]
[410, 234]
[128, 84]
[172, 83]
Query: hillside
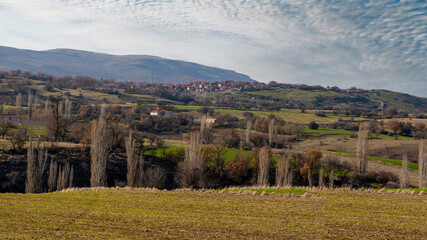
[326, 99]
[62, 62]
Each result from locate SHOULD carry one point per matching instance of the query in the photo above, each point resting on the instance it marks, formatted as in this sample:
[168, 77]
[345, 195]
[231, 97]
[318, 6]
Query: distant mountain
[62, 62]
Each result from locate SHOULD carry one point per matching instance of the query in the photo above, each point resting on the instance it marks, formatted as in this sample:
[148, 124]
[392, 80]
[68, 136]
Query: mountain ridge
[64, 61]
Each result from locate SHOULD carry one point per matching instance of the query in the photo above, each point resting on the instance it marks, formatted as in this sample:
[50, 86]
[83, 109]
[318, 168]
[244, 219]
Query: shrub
[313, 125]
[238, 169]
[231, 139]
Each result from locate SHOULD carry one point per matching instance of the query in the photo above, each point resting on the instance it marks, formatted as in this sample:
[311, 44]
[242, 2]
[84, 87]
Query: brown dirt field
[153, 214]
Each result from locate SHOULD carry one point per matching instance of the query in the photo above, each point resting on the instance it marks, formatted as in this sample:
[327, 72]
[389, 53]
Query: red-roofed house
[9, 117]
[159, 112]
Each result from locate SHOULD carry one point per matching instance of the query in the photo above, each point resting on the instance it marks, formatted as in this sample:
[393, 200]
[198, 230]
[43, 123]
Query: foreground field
[141, 213]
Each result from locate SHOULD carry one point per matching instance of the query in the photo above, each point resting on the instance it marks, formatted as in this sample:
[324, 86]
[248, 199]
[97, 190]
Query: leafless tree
[46, 106]
[19, 99]
[59, 179]
[60, 108]
[331, 179]
[206, 129]
[271, 127]
[65, 177]
[58, 126]
[282, 170]
[264, 166]
[98, 152]
[422, 164]
[321, 178]
[71, 178]
[312, 162]
[132, 161]
[36, 102]
[404, 172]
[30, 101]
[361, 148]
[68, 106]
[190, 171]
[154, 177]
[35, 169]
[248, 132]
[31, 182]
[53, 175]
[140, 174]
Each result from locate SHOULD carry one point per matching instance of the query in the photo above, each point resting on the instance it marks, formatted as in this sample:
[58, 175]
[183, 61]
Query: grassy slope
[288, 115]
[375, 98]
[136, 214]
[394, 162]
[330, 132]
[400, 100]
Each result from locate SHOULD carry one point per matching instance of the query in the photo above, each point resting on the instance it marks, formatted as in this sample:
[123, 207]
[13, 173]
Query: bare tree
[404, 172]
[271, 127]
[65, 177]
[361, 148]
[282, 170]
[422, 164]
[35, 169]
[98, 152]
[19, 99]
[331, 179]
[190, 171]
[53, 175]
[30, 101]
[71, 178]
[36, 102]
[31, 182]
[132, 161]
[264, 166]
[206, 129]
[312, 162]
[58, 126]
[140, 174]
[60, 108]
[46, 106]
[154, 178]
[59, 180]
[321, 178]
[248, 132]
[68, 106]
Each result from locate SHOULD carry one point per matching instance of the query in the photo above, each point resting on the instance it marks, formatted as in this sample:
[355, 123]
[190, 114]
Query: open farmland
[288, 115]
[142, 213]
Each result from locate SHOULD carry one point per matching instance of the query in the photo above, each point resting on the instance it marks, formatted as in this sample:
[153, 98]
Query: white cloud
[371, 44]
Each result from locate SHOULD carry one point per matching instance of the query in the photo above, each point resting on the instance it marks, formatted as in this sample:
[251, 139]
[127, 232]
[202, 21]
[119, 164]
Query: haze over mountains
[63, 62]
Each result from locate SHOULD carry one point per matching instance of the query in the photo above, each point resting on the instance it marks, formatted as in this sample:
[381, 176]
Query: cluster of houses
[228, 85]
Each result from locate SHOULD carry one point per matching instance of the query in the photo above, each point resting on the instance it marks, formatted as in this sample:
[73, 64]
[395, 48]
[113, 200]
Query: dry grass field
[180, 214]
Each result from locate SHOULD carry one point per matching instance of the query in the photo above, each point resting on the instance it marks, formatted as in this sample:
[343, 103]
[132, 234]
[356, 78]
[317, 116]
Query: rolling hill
[62, 62]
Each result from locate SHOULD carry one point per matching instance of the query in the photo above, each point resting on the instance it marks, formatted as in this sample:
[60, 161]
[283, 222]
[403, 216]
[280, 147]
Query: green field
[288, 115]
[330, 132]
[180, 214]
[228, 154]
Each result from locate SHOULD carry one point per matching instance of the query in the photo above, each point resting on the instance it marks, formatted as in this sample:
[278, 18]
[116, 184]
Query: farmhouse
[159, 112]
[9, 117]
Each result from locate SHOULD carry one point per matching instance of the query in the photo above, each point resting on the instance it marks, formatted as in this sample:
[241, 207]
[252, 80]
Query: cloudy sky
[367, 44]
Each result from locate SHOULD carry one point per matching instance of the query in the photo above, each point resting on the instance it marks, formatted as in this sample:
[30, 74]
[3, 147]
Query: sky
[379, 44]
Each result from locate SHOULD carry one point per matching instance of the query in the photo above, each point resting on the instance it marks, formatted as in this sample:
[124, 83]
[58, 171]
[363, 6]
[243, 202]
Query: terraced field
[180, 214]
